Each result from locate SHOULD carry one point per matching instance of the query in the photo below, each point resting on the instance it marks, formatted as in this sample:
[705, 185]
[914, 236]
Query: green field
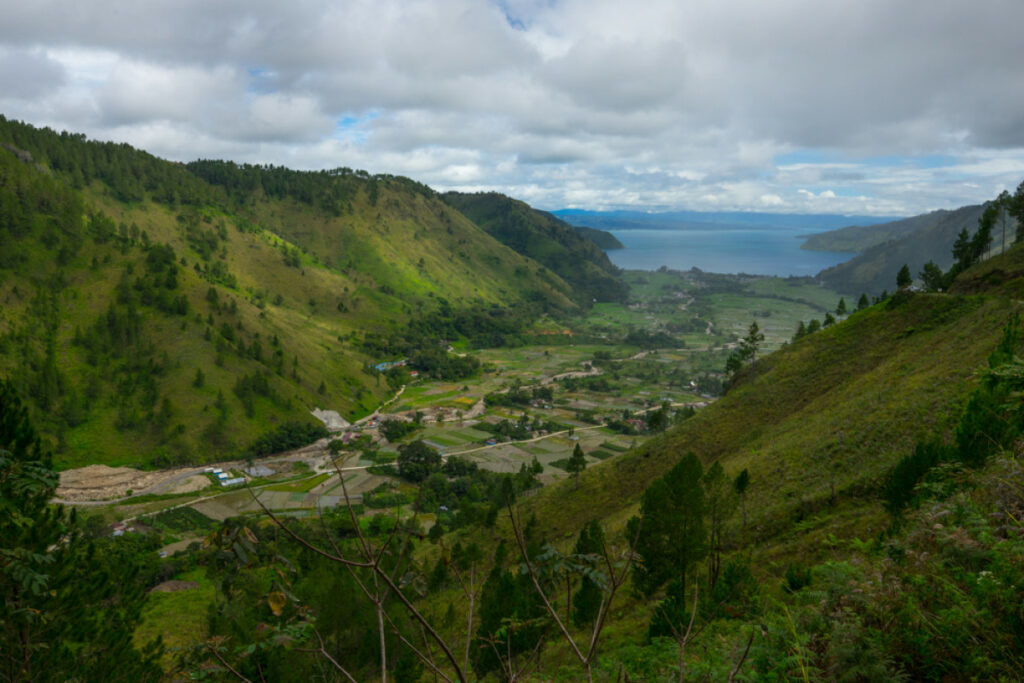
[301, 485]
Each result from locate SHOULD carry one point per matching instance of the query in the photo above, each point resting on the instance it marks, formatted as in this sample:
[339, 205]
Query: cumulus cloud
[28, 74]
[712, 104]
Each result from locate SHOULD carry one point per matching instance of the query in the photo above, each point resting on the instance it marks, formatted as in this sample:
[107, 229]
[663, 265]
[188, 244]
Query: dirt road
[102, 485]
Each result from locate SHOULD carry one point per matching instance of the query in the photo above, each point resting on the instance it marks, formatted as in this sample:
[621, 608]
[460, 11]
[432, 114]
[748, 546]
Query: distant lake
[724, 249]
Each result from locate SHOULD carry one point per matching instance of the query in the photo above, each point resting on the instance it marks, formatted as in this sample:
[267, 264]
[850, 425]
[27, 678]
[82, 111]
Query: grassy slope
[415, 245]
[400, 256]
[875, 269]
[817, 424]
[545, 238]
[858, 238]
[1002, 274]
[306, 335]
[827, 414]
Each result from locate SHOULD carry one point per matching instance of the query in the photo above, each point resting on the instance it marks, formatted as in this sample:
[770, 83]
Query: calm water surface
[722, 250]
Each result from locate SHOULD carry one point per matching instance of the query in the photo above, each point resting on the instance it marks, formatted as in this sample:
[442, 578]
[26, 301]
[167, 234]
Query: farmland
[601, 376]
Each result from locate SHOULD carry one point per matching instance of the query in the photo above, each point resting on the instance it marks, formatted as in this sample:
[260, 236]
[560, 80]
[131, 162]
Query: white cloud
[652, 104]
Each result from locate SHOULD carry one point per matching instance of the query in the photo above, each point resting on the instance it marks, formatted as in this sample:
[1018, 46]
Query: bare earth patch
[174, 586]
[196, 482]
[99, 482]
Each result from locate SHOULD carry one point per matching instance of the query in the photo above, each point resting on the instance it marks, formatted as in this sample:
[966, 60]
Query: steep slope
[601, 238]
[819, 426]
[858, 238]
[1002, 274]
[546, 239]
[930, 238]
[818, 422]
[390, 230]
[154, 318]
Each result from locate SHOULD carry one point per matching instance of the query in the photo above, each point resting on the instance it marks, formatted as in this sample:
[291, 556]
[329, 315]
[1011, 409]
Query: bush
[393, 429]
[291, 434]
[417, 460]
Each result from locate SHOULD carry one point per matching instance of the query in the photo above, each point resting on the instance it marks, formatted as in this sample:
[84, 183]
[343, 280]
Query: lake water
[757, 251]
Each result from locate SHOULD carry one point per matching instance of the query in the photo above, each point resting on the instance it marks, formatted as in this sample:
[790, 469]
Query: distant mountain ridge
[640, 220]
[887, 248]
[857, 238]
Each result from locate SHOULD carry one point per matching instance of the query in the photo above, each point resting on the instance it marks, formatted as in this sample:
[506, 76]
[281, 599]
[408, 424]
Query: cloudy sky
[861, 106]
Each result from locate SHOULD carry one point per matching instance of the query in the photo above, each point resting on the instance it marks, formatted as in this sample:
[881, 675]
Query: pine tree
[750, 344]
[1015, 207]
[720, 500]
[962, 251]
[932, 277]
[863, 302]
[587, 600]
[672, 536]
[740, 485]
[577, 463]
[510, 623]
[68, 612]
[841, 308]
[746, 350]
[903, 278]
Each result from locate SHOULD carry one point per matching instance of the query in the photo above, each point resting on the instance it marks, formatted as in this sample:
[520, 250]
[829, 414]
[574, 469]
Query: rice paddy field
[596, 373]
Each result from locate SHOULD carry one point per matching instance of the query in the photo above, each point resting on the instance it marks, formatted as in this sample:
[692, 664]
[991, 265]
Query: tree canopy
[672, 535]
[69, 612]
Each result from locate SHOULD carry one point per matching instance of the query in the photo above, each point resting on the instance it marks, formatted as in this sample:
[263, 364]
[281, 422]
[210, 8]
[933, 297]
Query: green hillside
[546, 239]
[858, 238]
[1002, 274]
[815, 578]
[394, 233]
[818, 426]
[601, 238]
[819, 419]
[913, 241]
[158, 314]
[851, 509]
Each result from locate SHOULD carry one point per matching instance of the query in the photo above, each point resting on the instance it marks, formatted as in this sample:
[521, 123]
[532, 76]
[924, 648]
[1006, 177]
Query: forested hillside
[154, 313]
[848, 508]
[884, 249]
[858, 238]
[546, 239]
[601, 238]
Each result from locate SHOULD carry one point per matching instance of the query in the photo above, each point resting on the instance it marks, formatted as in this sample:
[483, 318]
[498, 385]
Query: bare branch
[739, 664]
[428, 658]
[378, 572]
[616, 583]
[367, 552]
[540, 591]
[230, 668]
[306, 544]
[323, 651]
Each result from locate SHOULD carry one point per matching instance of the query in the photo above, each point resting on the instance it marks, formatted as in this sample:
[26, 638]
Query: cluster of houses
[120, 529]
[349, 437]
[223, 477]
